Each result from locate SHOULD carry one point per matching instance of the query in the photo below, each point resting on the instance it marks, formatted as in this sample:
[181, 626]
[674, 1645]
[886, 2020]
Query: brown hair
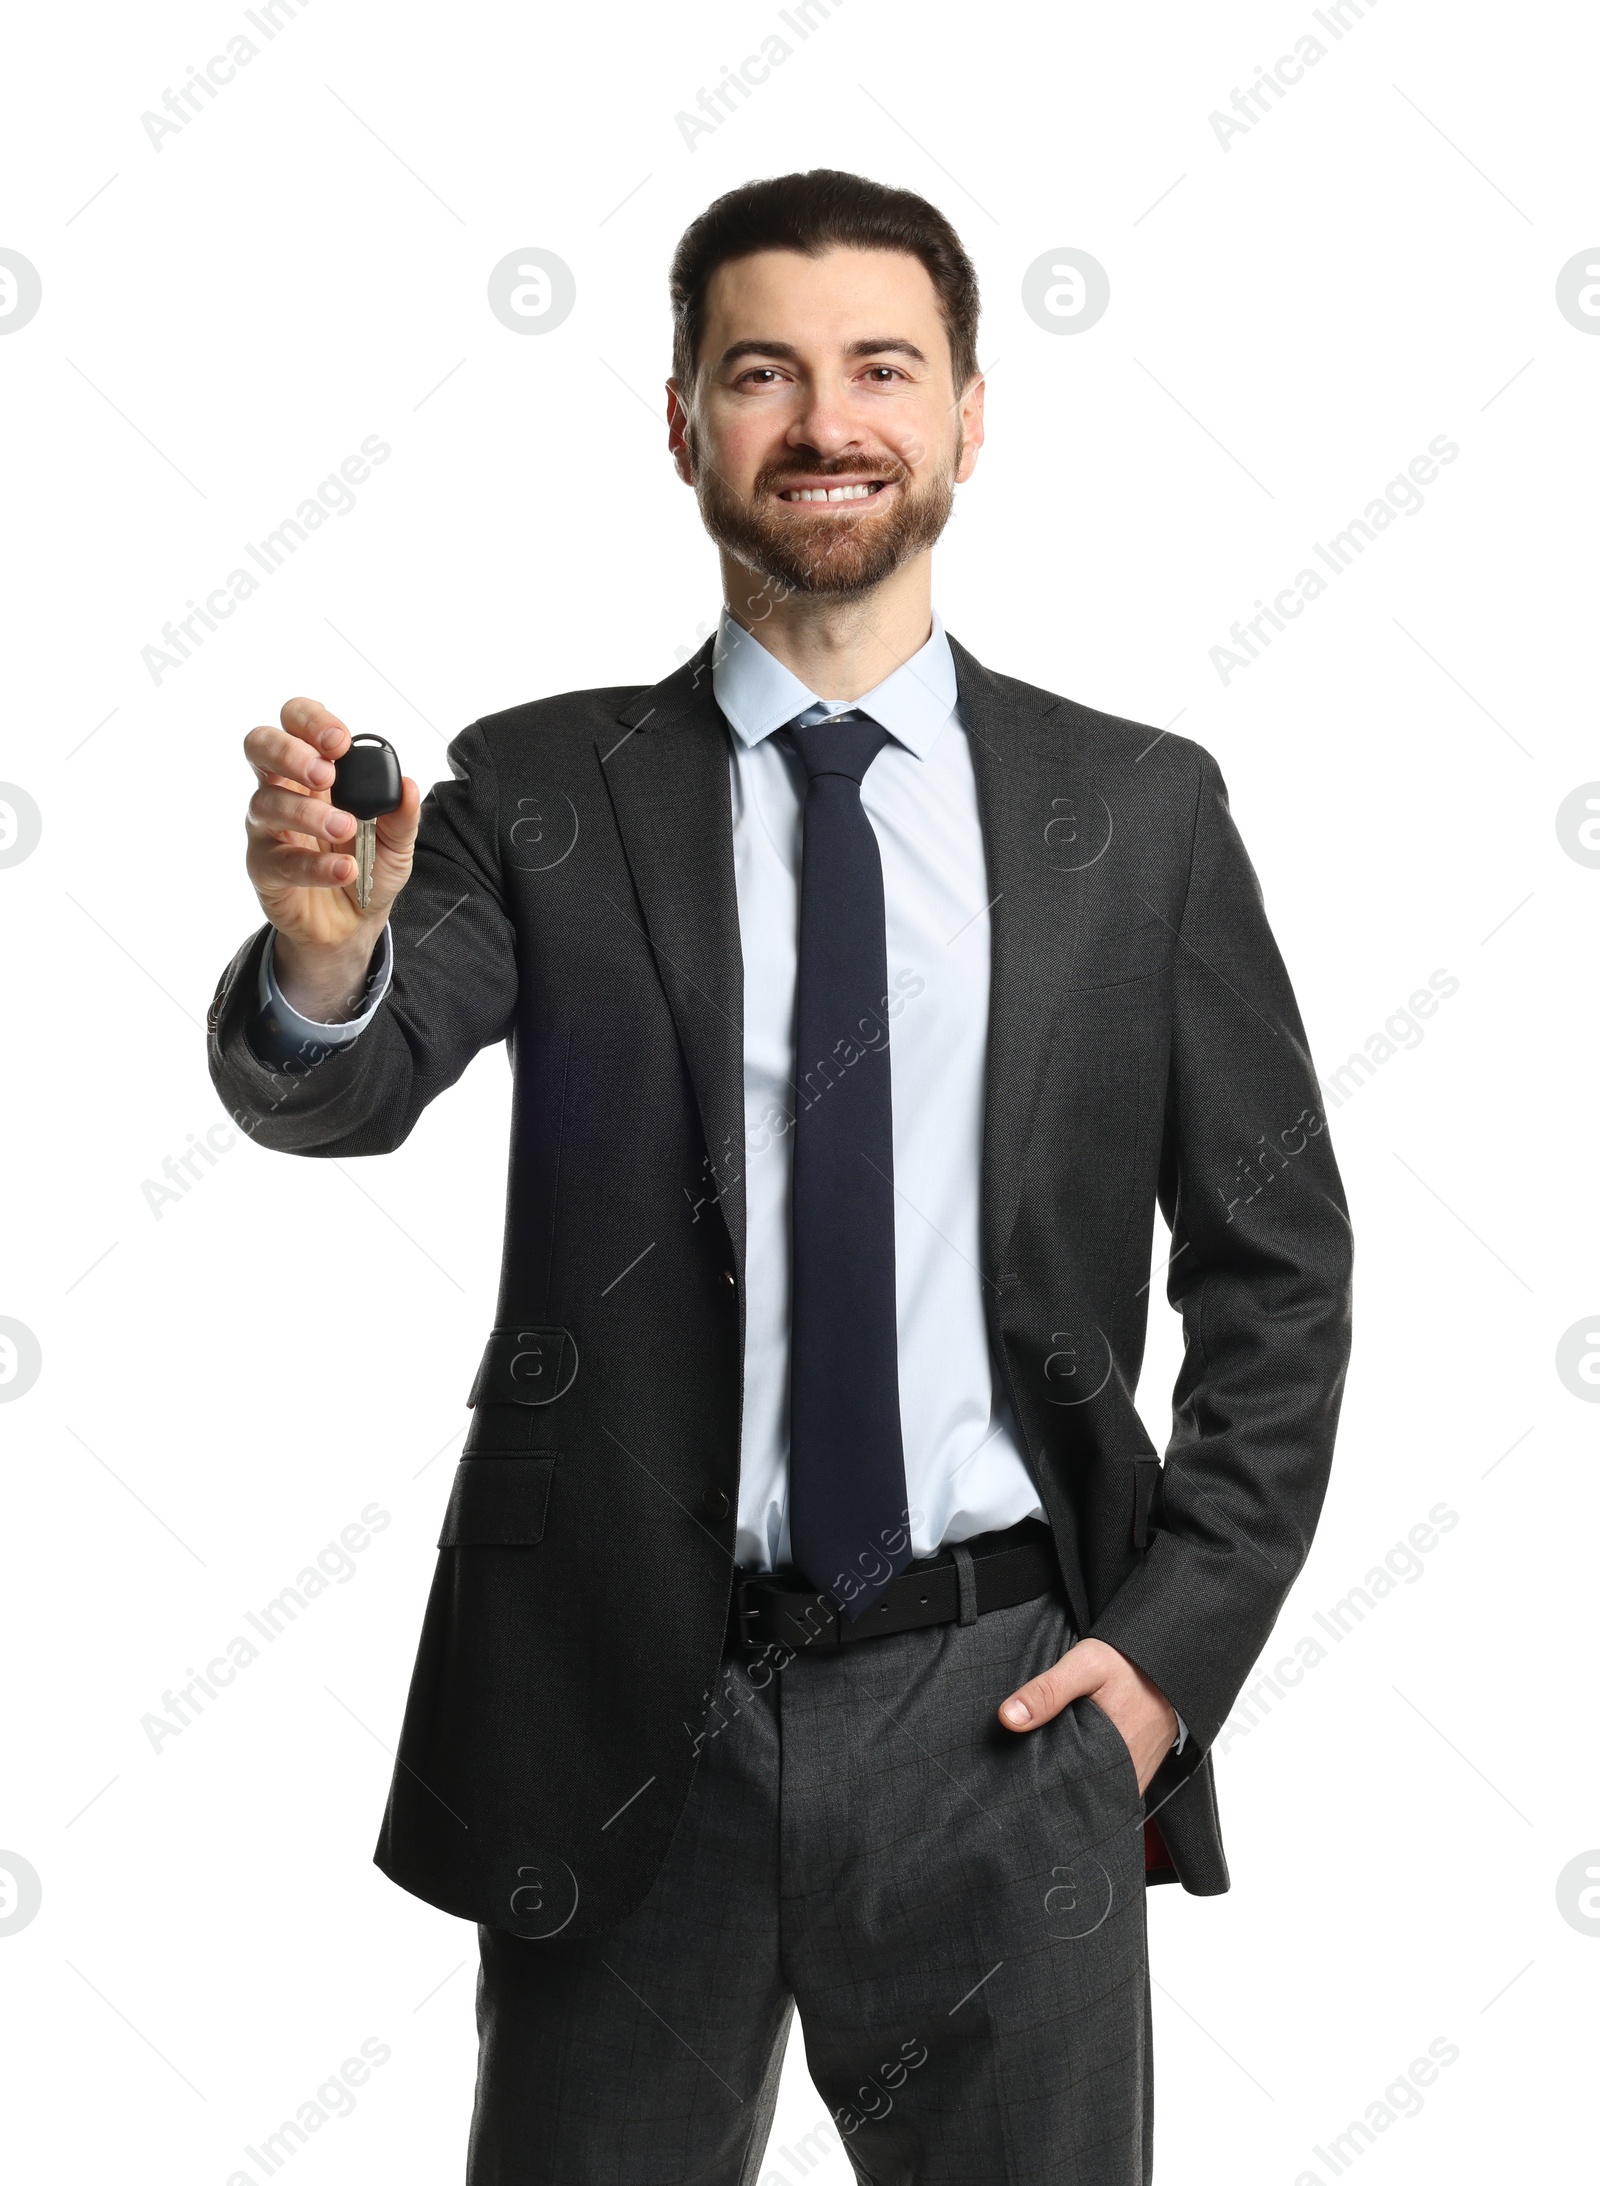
[812, 213]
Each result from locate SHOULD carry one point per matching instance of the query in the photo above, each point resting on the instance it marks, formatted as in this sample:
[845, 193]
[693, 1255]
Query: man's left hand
[1141, 1711]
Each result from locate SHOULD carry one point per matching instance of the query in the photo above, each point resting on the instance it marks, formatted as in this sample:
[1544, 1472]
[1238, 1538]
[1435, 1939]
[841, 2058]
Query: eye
[765, 373]
[880, 374]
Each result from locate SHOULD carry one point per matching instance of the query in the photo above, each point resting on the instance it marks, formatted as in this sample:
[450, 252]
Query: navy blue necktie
[848, 1520]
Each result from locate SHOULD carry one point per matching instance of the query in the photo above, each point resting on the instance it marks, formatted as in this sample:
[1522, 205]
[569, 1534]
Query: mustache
[775, 475]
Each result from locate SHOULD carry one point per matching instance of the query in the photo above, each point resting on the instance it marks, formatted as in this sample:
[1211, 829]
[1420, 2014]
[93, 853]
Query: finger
[310, 720]
[397, 830]
[286, 865]
[1047, 1694]
[275, 753]
[277, 810]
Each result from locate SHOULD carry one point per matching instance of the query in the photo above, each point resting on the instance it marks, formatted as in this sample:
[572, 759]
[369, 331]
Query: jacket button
[730, 1278]
[714, 1504]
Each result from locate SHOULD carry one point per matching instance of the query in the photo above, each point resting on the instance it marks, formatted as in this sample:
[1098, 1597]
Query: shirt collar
[759, 695]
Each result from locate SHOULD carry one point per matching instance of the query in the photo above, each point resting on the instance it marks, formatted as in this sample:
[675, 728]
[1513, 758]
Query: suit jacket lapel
[666, 768]
[1024, 786]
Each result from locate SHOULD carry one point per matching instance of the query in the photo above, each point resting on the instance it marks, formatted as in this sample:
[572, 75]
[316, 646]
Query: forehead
[822, 303]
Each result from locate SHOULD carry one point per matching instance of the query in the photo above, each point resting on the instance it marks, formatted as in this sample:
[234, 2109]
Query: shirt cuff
[280, 1035]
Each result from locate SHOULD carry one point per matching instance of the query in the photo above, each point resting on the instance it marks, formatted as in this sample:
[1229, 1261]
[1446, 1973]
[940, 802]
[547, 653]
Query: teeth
[828, 493]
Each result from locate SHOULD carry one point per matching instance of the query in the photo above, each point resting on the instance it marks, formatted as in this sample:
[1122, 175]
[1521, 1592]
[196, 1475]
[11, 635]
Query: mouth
[835, 492]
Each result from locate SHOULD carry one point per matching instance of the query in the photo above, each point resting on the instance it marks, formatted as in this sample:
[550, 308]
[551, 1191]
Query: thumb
[397, 836]
[397, 830]
[1047, 1694]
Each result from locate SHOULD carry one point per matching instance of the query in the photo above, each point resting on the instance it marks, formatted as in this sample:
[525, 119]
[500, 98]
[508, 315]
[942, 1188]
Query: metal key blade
[366, 856]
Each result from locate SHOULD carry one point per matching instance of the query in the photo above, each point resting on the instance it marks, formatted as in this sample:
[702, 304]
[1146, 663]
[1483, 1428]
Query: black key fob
[366, 781]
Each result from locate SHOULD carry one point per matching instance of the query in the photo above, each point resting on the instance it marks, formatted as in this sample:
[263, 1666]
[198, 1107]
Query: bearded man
[814, 1625]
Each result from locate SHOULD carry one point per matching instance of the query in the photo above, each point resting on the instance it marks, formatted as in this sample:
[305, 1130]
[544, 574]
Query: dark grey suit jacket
[573, 894]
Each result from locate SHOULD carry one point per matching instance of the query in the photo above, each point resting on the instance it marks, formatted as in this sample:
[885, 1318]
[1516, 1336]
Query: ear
[678, 433]
[971, 431]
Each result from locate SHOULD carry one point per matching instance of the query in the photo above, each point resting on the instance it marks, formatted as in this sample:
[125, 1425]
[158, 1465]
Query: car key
[366, 782]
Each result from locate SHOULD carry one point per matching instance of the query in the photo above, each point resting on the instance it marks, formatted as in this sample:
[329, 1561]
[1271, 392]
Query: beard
[829, 556]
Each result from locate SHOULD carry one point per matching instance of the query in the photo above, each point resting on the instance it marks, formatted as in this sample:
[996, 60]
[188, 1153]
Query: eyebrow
[884, 345]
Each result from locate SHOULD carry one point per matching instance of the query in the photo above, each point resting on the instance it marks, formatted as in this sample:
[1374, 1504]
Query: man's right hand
[301, 863]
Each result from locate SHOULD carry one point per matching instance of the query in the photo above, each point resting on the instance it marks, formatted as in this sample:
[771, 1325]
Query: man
[814, 1623]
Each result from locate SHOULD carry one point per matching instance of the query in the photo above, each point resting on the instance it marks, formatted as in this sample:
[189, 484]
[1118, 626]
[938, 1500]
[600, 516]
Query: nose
[824, 423]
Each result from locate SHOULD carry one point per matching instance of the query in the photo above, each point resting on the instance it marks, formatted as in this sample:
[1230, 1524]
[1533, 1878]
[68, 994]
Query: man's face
[824, 437]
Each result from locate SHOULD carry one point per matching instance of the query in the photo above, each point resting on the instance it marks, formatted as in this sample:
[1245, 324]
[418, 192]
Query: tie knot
[837, 743]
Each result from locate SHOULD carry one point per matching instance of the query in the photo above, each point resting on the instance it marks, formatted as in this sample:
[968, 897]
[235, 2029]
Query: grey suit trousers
[957, 1911]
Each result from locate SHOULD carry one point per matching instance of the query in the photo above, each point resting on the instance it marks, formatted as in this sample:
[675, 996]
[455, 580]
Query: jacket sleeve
[1260, 1271]
[453, 991]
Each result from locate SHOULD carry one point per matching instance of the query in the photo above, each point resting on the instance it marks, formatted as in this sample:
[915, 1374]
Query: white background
[228, 1382]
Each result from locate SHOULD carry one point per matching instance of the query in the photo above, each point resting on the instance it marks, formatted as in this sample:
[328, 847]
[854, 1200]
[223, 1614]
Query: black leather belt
[1001, 1570]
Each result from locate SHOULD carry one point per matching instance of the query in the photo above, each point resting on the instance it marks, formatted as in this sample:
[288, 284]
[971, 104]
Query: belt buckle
[743, 1614]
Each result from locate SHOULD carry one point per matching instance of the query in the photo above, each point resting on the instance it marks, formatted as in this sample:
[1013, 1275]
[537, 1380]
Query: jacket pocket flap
[1117, 956]
[498, 1502]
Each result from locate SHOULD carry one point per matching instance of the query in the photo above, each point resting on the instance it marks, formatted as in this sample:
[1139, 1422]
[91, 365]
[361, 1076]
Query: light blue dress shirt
[964, 1470]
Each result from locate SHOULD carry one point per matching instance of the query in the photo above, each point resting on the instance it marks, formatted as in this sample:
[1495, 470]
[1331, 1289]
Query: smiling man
[814, 1625]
